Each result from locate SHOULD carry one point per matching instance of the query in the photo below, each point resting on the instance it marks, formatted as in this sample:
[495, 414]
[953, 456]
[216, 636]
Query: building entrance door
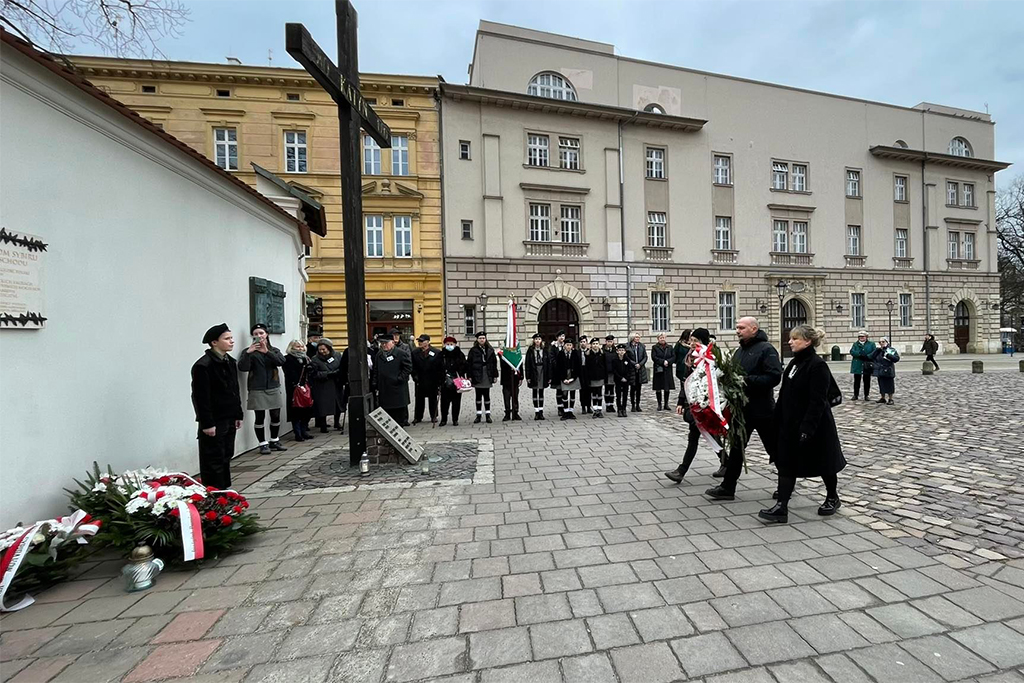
[558, 315]
[962, 326]
[793, 313]
[382, 316]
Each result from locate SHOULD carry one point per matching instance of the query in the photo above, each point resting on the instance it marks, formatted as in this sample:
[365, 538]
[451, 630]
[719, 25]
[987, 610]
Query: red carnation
[245, 503]
[210, 489]
[173, 512]
[164, 481]
[195, 498]
[237, 509]
[226, 520]
[222, 501]
[144, 496]
[211, 515]
[160, 494]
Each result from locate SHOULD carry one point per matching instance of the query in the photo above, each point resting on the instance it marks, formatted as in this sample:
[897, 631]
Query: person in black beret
[218, 406]
[426, 377]
[624, 372]
[482, 362]
[566, 374]
[262, 362]
[610, 356]
[583, 349]
[690, 339]
[556, 347]
[538, 373]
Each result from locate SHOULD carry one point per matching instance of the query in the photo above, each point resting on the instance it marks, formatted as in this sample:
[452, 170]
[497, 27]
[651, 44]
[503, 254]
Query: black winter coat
[885, 359]
[426, 368]
[808, 443]
[595, 366]
[293, 367]
[623, 370]
[453, 363]
[215, 395]
[262, 368]
[482, 362]
[567, 366]
[763, 370]
[530, 363]
[638, 354]
[611, 357]
[663, 380]
[391, 371]
[324, 374]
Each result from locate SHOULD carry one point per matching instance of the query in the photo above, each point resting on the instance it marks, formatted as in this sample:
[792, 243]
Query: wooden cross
[354, 114]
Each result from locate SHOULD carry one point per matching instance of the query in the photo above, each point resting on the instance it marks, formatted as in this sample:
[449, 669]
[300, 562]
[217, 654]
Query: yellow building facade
[281, 120]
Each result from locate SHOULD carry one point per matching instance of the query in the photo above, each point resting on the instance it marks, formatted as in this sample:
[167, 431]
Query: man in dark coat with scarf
[391, 371]
[218, 406]
[426, 376]
[762, 371]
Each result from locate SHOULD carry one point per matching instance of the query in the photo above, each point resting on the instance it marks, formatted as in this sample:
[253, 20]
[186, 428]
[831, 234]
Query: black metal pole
[890, 325]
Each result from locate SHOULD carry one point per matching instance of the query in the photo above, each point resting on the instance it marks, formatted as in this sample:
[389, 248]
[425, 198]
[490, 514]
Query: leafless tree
[122, 28]
[1010, 231]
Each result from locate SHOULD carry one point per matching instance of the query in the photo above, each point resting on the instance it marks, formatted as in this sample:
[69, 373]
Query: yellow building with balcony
[280, 119]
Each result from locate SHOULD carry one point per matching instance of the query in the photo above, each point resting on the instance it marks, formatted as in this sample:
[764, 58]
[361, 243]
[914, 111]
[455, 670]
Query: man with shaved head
[763, 372]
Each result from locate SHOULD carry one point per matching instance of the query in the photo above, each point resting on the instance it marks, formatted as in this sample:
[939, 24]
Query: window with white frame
[540, 222]
[902, 241]
[954, 245]
[780, 236]
[852, 183]
[225, 142]
[655, 163]
[464, 149]
[656, 229]
[780, 175]
[723, 233]
[403, 236]
[537, 150]
[726, 311]
[467, 230]
[853, 240]
[969, 246]
[660, 311]
[371, 156]
[569, 153]
[551, 85]
[374, 236]
[295, 151]
[399, 155]
[469, 319]
[899, 192]
[799, 237]
[906, 309]
[723, 170]
[968, 195]
[952, 193]
[857, 310]
[799, 179]
[959, 147]
[571, 227]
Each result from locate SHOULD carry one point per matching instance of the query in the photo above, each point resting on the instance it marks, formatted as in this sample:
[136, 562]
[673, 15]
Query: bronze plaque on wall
[266, 304]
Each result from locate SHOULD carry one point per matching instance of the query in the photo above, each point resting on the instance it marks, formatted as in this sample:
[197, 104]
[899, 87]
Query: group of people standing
[879, 361]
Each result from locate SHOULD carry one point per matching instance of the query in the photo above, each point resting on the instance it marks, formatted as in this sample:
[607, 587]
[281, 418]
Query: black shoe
[776, 514]
[297, 437]
[488, 419]
[599, 415]
[675, 475]
[540, 416]
[443, 422]
[639, 409]
[323, 430]
[719, 473]
[477, 420]
[856, 397]
[306, 435]
[720, 493]
[565, 416]
[455, 423]
[276, 446]
[890, 402]
[881, 400]
[775, 494]
[506, 418]
[416, 422]
[830, 506]
[516, 418]
[264, 449]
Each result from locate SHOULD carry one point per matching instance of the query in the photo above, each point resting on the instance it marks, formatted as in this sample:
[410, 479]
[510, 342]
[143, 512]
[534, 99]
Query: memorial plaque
[396, 436]
[21, 281]
[266, 304]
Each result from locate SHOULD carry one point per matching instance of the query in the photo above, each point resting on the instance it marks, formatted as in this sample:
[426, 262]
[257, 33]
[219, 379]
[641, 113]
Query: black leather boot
[830, 506]
[776, 514]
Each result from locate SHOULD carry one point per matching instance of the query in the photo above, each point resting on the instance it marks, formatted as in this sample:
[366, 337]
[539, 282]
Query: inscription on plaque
[396, 436]
[266, 304]
[21, 281]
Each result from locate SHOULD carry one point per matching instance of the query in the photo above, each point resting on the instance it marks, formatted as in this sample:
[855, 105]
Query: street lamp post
[889, 305]
[781, 287]
[483, 311]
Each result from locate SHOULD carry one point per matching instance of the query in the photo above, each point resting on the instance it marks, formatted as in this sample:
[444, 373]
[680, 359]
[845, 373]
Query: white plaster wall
[147, 249]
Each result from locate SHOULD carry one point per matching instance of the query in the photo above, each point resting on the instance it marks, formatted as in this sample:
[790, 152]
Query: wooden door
[962, 326]
[558, 315]
[793, 313]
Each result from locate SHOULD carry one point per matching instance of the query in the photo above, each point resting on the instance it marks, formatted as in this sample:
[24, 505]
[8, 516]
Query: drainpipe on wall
[444, 227]
[924, 234]
[622, 229]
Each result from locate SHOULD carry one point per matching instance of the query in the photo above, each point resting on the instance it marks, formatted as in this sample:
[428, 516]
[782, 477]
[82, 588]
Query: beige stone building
[612, 194]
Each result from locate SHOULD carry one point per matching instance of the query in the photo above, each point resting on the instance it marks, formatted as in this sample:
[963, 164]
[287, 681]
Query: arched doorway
[558, 315]
[962, 326]
[793, 313]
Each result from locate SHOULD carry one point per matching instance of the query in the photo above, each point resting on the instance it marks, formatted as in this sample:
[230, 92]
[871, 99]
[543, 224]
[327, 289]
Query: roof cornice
[919, 155]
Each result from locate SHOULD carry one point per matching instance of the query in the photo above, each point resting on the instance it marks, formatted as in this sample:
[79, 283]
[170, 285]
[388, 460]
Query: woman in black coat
[637, 353]
[538, 373]
[663, 357]
[884, 360]
[324, 368]
[808, 443]
[296, 363]
[453, 364]
[483, 371]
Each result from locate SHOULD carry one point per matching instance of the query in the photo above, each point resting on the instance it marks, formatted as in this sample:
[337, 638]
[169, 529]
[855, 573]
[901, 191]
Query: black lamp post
[889, 305]
[780, 287]
[483, 311]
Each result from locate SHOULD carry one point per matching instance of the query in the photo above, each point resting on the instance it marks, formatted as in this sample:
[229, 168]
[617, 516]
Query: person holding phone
[263, 362]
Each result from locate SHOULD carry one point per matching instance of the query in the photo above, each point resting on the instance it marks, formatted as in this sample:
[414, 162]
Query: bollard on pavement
[977, 367]
[927, 368]
[1020, 364]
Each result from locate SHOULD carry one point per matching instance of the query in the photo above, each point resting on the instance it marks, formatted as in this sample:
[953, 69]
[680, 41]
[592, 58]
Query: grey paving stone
[497, 648]
[412, 598]
[516, 585]
[680, 565]
[767, 643]
[334, 608]
[487, 616]
[104, 665]
[905, 621]
[539, 672]
[987, 603]
[912, 583]
[534, 609]
[606, 575]
[719, 584]
[560, 580]
[707, 654]
[244, 651]
[846, 595]
[801, 601]
[868, 628]
[472, 590]
[560, 639]
[948, 658]
[379, 633]
[758, 675]
[629, 597]
[531, 562]
[443, 621]
[828, 633]
[839, 567]
[309, 670]
[427, 659]
[997, 643]
[584, 603]
[704, 617]
[753, 608]
[594, 668]
[627, 552]
[798, 672]
[82, 638]
[891, 663]
[945, 612]
[908, 558]
[683, 590]
[841, 668]
[652, 663]
[750, 579]
[310, 641]
[720, 560]
[578, 557]
[612, 630]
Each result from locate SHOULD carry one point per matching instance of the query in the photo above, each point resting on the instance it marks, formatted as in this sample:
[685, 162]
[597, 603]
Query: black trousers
[483, 401]
[585, 394]
[609, 397]
[510, 394]
[568, 401]
[931, 357]
[558, 397]
[595, 398]
[856, 385]
[634, 393]
[451, 398]
[399, 415]
[765, 428]
[538, 399]
[428, 395]
[215, 455]
[621, 390]
[692, 442]
[788, 484]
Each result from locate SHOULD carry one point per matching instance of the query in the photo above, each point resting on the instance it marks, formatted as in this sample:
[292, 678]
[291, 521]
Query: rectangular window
[292, 97]
[464, 149]
[780, 176]
[223, 93]
[853, 240]
[397, 103]
[403, 236]
[295, 151]
[852, 183]
[799, 237]
[968, 195]
[952, 193]
[906, 310]
[371, 156]
[857, 306]
[225, 142]
[540, 222]
[537, 150]
[723, 233]
[969, 246]
[723, 170]
[374, 236]
[656, 232]
[149, 89]
[399, 155]
[780, 236]
[799, 178]
[900, 188]
[569, 153]
[902, 238]
[467, 230]
[655, 163]
[726, 311]
[469, 317]
[954, 244]
[659, 311]
[571, 228]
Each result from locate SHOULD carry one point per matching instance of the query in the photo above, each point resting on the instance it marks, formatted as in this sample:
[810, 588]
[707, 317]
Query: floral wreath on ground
[715, 392]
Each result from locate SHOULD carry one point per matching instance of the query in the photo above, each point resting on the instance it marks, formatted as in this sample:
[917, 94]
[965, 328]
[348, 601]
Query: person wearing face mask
[885, 358]
[568, 366]
[453, 365]
[262, 362]
[218, 406]
[483, 371]
[860, 363]
[538, 373]
[323, 372]
[595, 373]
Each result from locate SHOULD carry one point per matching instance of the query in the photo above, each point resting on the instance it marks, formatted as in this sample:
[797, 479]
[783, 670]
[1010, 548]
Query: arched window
[900, 143]
[549, 84]
[654, 108]
[959, 147]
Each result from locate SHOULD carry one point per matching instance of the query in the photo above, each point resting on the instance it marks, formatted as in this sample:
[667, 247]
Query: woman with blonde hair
[296, 371]
[808, 443]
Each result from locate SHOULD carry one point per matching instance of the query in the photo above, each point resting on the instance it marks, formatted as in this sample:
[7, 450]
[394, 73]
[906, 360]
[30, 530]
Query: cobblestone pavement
[574, 560]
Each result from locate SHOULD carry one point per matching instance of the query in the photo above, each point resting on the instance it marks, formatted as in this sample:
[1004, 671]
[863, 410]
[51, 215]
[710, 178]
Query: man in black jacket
[610, 356]
[763, 372]
[426, 375]
[218, 406]
[391, 370]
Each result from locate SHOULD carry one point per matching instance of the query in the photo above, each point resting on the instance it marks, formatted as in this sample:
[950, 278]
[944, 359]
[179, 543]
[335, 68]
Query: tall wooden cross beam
[354, 114]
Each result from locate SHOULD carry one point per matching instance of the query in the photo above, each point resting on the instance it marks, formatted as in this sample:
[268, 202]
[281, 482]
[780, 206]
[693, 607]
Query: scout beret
[213, 334]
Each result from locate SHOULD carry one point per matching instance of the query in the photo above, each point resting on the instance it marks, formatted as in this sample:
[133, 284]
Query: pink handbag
[462, 384]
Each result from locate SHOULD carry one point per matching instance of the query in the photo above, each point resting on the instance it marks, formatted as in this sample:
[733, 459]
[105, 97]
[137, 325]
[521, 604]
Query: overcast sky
[962, 54]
